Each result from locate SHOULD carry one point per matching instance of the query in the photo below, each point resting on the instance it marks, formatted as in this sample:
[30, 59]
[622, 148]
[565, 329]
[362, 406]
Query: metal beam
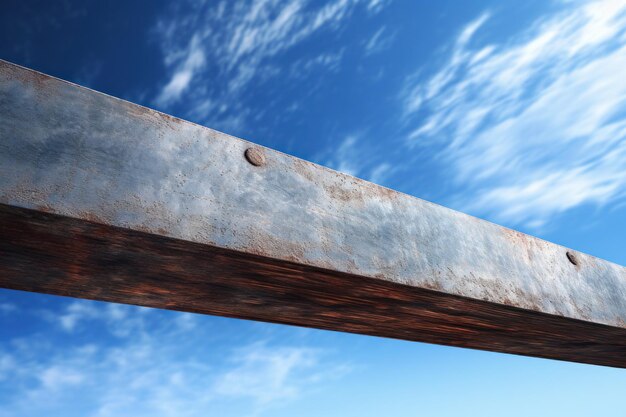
[104, 199]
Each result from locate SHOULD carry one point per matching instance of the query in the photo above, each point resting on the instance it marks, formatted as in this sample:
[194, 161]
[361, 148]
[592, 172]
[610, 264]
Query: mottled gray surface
[72, 151]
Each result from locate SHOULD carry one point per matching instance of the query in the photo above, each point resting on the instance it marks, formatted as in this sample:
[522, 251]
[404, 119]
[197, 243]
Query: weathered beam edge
[53, 254]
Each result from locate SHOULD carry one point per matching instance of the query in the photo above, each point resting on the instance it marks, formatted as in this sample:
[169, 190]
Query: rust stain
[341, 192]
[45, 208]
[153, 116]
[91, 216]
[305, 169]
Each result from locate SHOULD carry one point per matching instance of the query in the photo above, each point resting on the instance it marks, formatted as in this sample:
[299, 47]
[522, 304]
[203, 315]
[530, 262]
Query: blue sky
[514, 112]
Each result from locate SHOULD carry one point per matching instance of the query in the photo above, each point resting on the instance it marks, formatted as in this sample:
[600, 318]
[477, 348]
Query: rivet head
[255, 156]
[571, 257]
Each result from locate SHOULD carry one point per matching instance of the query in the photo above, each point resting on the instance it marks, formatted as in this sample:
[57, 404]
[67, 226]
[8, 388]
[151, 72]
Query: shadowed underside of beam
[54, 254]
[107, 200]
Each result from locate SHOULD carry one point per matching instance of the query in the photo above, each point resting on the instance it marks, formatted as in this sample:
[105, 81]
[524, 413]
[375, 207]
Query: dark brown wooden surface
[58, 255]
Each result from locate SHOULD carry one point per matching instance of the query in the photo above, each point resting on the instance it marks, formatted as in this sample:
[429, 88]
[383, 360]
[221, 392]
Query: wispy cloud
[380, 172]
[183, 75]
[380, 40]
[375, 6]
[534, 125]
[121, 320]
[6, 307]
[345, 158]
[329, 61]
[7, 365]
[215, 52]
[353, 156]
[140, 367]
[76, 312]
[268, 374]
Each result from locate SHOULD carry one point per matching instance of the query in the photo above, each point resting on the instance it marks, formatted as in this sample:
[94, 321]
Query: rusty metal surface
[69, 150]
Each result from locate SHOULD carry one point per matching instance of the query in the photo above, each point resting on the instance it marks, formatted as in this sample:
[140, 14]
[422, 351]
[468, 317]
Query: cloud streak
[139, 367]
[380, 40]
[532, 126]
[214, 53]
[351, 157]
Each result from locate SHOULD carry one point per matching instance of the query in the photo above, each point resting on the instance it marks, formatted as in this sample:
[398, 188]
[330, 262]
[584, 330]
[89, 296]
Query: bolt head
[572, 257]
[255, 156]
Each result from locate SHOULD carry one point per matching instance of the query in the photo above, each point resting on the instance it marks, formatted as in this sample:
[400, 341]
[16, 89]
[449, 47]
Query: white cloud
[7, 365]
[268, 374]
[375, 6]
[121, 320]
[353, 156]
[7, 307]
[161, 364]
[380, 172]
[76, 312]
[183, 74]
[346, 157]
[56, 377]
[533, 126]
[215, 52]
[328, 61]
[380, 40]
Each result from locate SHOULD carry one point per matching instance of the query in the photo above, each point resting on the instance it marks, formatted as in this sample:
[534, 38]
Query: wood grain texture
[53, 254]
